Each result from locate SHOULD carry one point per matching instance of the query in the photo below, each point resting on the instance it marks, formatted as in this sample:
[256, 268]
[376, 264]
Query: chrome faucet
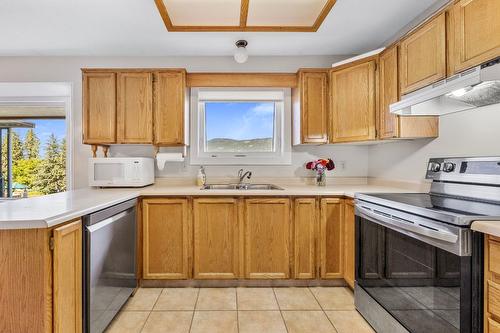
[242, 175]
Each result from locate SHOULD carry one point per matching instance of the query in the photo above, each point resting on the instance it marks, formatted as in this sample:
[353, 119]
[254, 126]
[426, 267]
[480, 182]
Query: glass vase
[321, 179]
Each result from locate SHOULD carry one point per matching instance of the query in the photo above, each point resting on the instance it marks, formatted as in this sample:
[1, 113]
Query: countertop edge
[487, 227]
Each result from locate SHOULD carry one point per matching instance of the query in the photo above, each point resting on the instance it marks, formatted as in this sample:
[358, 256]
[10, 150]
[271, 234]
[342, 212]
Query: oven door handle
[396, 224]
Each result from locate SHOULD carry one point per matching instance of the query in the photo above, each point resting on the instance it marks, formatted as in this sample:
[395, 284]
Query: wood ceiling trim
[243, 21]
[278, 80]
[244, 13]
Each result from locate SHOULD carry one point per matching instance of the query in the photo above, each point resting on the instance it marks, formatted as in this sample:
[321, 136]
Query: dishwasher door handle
[103, 223]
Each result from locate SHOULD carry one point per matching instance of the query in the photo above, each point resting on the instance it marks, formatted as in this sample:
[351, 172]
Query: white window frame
[282, 132]
[57, 94]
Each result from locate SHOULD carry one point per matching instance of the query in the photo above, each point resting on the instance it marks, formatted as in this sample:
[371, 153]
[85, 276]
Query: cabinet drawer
[494, 298]
[494, 257]
[493, 326]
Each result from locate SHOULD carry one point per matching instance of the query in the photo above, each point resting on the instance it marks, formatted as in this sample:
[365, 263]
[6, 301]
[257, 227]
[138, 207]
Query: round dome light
[241, 53]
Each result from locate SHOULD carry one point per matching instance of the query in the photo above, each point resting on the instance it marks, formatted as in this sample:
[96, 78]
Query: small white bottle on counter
[201, 180]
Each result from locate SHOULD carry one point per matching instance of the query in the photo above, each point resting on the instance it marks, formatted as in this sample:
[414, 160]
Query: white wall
[67, 69]
[469, 133]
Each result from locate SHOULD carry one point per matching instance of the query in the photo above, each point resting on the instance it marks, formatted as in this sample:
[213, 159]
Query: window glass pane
[38, 156]
[239, 126]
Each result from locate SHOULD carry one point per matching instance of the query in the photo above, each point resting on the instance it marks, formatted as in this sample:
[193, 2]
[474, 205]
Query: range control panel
[481, 170]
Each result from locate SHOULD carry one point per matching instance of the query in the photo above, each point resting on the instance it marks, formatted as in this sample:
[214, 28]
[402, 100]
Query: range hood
[476, 87]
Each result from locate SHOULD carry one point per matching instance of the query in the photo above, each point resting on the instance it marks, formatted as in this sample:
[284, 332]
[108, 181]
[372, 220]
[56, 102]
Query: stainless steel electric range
[419, 266]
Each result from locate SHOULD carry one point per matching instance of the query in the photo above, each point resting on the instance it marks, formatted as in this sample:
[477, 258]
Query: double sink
[242, 186]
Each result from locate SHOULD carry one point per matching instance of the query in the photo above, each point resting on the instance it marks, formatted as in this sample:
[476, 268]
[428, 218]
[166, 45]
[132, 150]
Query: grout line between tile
[149, 314]
[324, 312]
[237, 311]
[281, 312]
[194, 310]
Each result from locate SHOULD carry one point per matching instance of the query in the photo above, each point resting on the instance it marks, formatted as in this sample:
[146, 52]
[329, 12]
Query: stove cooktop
[456, 211]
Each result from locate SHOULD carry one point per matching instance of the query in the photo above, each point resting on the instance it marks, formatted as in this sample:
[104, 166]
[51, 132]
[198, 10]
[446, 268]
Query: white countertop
[51, 210]
[487, 227]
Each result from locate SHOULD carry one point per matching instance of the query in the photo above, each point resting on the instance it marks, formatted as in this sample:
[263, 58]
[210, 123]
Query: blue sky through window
[43, 129]
[239, 120]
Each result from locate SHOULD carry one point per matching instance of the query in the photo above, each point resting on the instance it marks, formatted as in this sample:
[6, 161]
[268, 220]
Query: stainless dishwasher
[109, 274]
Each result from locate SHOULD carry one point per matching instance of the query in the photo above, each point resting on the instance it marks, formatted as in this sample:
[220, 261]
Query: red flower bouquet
[321, 166]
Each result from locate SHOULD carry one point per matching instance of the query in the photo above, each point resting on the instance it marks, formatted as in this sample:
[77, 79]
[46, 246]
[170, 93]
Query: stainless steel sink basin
[241, 187]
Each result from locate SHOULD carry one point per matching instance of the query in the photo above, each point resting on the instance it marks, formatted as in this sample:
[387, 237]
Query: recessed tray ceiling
[244, 15]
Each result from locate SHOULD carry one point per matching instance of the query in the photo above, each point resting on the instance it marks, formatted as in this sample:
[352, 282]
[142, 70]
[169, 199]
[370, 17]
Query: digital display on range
[480, 167]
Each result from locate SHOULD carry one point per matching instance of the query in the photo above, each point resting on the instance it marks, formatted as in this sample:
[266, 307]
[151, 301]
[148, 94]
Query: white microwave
[121, 171]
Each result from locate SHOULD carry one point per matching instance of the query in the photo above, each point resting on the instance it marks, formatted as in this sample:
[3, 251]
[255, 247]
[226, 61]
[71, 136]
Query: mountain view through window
[239, 126]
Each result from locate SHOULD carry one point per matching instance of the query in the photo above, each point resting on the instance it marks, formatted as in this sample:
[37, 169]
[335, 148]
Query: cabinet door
[389, 92]
[474, 33]
[67, 278]
[267, 227]
[166, 239]
[99, 108]
[331, 238]
[135, 108]
[349, 232]
[305, 231]
[423, 55]
[216, 238]
[314, 107]
[170, 110]
[353, 102]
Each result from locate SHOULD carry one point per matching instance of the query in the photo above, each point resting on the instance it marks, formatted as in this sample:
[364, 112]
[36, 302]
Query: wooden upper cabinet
[305, 230]
[388, 92]
[67, 278]
[474, 33]
[350, 242]
[99, 108]
[332, 238]
[170, 108]
[135, 107]
[423, 55]
[166, 239]
[267, 227]
[216, 238]
[310, 107]
[390, 125]
[353, 102]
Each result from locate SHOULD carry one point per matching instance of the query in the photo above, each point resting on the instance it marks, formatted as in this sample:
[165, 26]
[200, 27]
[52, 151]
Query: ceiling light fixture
[241, 53]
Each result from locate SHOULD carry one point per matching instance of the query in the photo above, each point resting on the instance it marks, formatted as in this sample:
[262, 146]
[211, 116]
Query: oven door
[414, 274]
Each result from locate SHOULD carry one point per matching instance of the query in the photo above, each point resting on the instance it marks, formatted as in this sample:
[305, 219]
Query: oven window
[417, 283]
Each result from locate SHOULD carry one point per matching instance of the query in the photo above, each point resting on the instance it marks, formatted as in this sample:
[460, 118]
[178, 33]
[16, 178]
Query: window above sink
[240, 126]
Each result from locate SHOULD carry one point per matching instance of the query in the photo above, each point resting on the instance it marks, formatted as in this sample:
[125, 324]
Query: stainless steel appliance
[109, 264]
[475, 87]
[419, 266]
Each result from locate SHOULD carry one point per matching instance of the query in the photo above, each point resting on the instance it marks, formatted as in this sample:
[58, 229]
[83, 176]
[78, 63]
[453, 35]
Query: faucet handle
[240, 173]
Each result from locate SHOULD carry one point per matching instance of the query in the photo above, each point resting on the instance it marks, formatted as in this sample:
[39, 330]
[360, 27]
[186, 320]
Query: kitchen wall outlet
[341, 165]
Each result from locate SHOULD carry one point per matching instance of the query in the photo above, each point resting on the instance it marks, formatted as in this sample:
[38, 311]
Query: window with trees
[37, 156]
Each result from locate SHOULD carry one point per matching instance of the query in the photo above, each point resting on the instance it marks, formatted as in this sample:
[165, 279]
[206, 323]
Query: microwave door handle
[401, 225]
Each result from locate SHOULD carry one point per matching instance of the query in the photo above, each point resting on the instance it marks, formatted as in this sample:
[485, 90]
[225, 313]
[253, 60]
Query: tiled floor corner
[240, 310]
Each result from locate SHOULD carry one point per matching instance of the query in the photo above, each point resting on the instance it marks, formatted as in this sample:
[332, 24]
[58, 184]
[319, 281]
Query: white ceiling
[135, 28]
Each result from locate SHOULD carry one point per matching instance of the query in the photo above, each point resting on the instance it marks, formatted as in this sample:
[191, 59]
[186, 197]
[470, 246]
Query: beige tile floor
[243, 310]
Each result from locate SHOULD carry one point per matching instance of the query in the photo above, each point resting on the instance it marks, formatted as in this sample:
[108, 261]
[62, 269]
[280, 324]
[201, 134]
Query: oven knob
[434, 167]
[448, 167]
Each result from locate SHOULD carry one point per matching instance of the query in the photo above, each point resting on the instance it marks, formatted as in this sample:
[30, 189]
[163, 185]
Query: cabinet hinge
[51, 243]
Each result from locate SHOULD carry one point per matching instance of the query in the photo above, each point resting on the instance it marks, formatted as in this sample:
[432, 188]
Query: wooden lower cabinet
[166, 229]
[331, 238]
[40, 284]
[304, 237]
[217, 243]
[67, 277]
[349, 242]
[267, 233]
[491, 284]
